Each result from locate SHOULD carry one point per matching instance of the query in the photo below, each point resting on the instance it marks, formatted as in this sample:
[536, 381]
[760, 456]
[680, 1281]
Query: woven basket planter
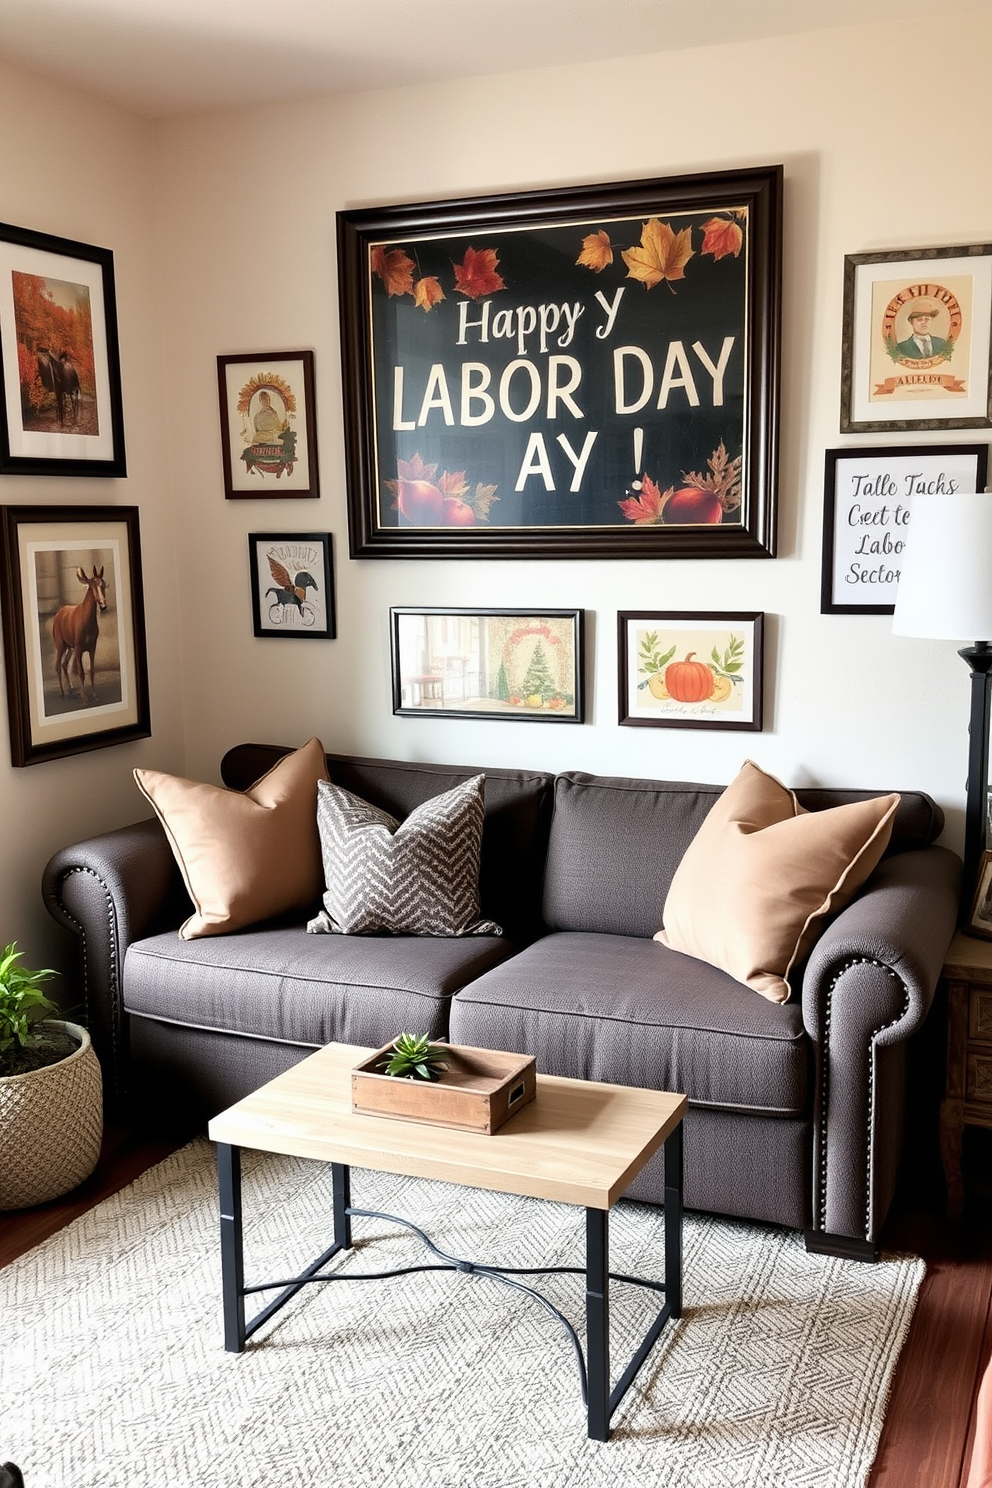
[51, 1126]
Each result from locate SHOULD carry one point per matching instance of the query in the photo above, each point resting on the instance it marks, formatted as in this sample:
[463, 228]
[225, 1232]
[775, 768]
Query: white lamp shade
[945, 583]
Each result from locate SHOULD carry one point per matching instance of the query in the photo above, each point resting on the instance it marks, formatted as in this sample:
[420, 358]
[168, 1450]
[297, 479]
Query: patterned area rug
[113, 1372]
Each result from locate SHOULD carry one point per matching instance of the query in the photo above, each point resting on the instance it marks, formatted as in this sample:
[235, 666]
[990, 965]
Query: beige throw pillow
[761, 875]
[244, 855]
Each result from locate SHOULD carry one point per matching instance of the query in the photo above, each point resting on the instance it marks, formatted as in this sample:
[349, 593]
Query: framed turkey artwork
[683, 669]
[582, 372]
[292, 585]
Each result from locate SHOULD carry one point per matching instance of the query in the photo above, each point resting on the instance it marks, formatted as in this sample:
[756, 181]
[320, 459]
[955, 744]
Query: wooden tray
[479, 1091]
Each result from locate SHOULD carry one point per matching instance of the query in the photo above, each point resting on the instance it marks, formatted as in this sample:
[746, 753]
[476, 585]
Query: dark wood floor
[927, 1439]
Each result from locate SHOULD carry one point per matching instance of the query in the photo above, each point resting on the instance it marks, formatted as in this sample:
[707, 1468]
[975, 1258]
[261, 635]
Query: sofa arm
[109, 891]
[868, 985]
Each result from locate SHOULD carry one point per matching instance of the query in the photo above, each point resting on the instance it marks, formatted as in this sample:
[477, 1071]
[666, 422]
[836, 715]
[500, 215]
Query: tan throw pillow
[244, 855]
[761, 875]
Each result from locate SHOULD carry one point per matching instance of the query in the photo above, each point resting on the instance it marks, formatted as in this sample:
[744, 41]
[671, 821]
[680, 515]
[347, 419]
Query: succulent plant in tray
[413, 1057]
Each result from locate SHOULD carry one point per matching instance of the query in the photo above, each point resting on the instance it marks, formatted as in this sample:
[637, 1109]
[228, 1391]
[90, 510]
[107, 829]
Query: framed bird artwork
[292, 585]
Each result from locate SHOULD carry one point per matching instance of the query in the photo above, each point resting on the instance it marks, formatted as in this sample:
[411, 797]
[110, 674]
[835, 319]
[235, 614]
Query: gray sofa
[796, 1109]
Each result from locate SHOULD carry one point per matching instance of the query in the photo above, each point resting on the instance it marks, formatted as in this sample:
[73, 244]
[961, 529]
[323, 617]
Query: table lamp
[945, 593]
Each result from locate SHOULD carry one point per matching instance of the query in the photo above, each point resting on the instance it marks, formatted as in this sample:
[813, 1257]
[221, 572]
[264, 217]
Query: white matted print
[682, 669]
[917, 339]
[292, 584]
[267, 424]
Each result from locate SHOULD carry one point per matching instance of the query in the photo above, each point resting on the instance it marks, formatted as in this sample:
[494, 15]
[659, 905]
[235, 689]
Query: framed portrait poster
[505, 664]
[582, 372]
[267, 424]
[292, 586]
[867, 495]
[60, 411]
[73, 629]
[917, 339]
[683, 669]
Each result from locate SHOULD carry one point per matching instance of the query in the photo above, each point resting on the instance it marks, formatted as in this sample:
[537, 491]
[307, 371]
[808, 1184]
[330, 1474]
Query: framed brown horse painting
[73, 629]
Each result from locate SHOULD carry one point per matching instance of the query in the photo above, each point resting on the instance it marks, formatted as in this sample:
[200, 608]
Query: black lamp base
[979, 659]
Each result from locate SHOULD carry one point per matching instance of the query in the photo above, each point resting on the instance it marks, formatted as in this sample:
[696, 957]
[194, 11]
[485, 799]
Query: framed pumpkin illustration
[688, 669]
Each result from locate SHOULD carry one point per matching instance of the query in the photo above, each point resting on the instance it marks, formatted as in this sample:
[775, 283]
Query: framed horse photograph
[73, 629]
[61, 411]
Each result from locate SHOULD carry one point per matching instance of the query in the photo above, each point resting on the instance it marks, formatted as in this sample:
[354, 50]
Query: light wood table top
[579, 1141]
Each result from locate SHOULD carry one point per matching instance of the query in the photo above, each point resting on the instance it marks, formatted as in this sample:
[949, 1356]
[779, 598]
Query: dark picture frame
[662, 681]
[586, 372]
[892, 379]
[61, 409]
[268, 425]
[866, 496]
[59, 564]
[980, 914]
[519, 665]
[292, 585]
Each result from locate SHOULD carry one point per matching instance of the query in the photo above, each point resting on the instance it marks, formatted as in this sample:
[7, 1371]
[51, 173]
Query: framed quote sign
[866, 513]
[584, 372]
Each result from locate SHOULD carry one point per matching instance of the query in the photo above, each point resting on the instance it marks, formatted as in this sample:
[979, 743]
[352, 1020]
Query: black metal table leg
[673, 1221]
[598, 1323]
[341, 1188]
[232, 1261]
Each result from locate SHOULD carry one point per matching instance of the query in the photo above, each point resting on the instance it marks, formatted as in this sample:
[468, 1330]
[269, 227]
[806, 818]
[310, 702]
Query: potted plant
[51, 1097]
[412, 1056]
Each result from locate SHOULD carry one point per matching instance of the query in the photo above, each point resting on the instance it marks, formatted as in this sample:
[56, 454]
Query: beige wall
[223, 230]
[81, 170]
[248, 210]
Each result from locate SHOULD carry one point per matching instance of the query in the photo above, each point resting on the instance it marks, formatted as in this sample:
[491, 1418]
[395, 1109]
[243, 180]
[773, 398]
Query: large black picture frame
[586, 372]
[61, 410]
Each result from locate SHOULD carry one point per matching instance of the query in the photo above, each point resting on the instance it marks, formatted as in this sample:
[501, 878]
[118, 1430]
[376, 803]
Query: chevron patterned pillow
[417, 877]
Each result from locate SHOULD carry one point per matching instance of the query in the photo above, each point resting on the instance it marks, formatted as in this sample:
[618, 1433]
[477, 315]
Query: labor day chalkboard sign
[588, 372]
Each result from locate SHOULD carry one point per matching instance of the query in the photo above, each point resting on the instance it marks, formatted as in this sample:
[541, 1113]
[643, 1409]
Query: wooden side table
[968, 1095]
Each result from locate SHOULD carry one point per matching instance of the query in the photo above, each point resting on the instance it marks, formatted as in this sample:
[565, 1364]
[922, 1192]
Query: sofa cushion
[279, 983]
[514, 838]
[416, 877]
[756, 884]
[244, 855]
[631, 1012]
[615, 844]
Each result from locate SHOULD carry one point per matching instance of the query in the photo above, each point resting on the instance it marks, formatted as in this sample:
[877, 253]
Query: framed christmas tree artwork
[511, 664]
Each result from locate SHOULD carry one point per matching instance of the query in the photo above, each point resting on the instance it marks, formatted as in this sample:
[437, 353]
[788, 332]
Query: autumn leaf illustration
[453, 483]
[721, 237]
[648, 507]
[483, 500]
[723, 478]
[394, 269]
[663, 254]
[427, 292]
[597, 252]
[476, 275]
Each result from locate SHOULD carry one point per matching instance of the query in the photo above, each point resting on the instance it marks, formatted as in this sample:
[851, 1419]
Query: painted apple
[457, 513]
[691, 505]
[420, 502]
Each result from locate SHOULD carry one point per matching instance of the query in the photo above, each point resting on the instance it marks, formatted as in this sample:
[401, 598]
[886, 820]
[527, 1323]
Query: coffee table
[579, 1142]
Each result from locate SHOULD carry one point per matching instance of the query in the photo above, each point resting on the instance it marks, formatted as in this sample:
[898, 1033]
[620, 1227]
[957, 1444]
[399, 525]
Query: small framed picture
[73, 629]
[267, 424]
[292, 585]
[60, 411]
[866, 502]
[980, 919]
[506, 664]
[682, 669]
[917, 339]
